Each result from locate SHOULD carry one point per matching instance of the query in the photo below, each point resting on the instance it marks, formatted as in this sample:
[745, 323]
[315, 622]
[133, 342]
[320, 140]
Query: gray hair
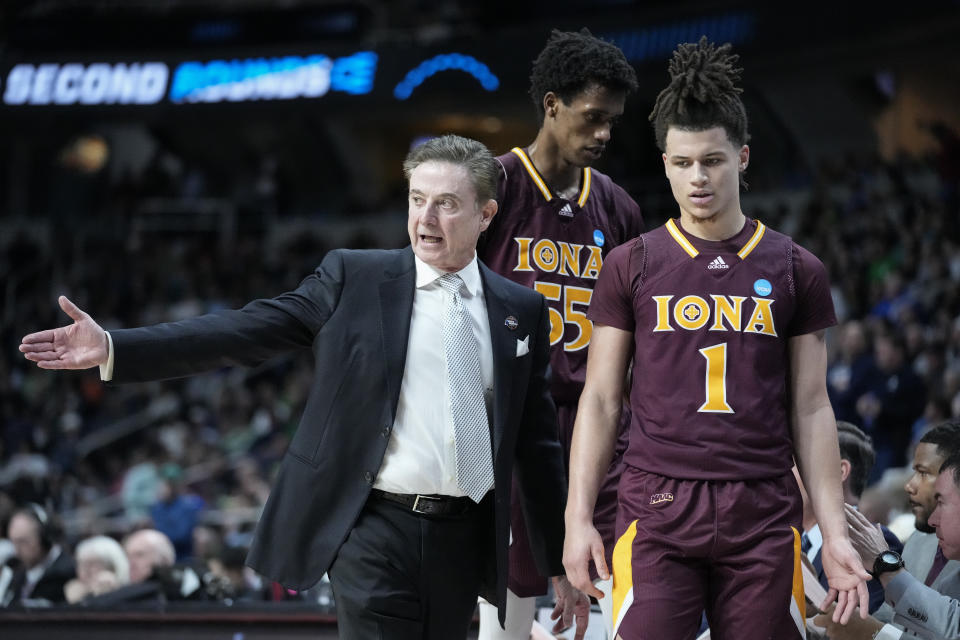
[108, 551]
[470, 154]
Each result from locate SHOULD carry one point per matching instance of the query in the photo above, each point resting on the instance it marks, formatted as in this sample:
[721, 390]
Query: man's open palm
[80, 345]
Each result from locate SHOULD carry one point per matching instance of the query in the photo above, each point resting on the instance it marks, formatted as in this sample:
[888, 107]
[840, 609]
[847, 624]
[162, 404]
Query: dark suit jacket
[49, 587]
[873, 586]
[354, 312]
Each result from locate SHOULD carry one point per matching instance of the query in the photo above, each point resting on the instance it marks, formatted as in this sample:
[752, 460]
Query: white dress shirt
[421, 455]
[106, 369]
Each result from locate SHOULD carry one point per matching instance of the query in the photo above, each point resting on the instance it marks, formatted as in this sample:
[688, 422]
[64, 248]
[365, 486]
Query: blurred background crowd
[144, 214]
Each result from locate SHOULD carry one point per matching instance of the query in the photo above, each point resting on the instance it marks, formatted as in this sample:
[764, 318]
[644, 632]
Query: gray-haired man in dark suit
[430, 388]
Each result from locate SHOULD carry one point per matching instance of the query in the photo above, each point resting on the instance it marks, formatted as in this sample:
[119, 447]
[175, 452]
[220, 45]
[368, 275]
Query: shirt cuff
[106, 369]
[888, 632]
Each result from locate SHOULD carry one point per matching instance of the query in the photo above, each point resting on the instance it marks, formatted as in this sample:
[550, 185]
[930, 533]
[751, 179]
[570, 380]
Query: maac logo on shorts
[657, 498]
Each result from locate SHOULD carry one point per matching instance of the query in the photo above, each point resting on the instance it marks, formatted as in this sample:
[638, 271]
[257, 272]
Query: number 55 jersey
[711, 324]
[557, 246]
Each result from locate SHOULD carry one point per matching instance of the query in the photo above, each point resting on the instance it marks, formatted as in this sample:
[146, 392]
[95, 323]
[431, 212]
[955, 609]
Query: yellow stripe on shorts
[622, 592]
[798, 603]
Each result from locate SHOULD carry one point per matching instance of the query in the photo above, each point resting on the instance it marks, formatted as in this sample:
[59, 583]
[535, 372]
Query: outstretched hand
[847, 579]
[80, 345]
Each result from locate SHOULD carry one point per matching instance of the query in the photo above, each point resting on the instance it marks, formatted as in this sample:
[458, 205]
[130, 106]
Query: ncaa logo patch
[598, 238]
[762, 287]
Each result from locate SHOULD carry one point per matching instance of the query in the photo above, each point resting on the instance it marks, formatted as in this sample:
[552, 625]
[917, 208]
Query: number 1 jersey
[711, 324]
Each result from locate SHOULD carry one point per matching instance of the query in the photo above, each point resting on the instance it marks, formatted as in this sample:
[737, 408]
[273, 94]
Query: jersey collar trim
[541, 183]
[752, 242]
[683, 242]
[687, 246]
[585, 190]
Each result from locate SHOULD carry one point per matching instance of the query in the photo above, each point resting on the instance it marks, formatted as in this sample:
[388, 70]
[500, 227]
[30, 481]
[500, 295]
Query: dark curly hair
[571, 61]
[701, 94]
[945, 437]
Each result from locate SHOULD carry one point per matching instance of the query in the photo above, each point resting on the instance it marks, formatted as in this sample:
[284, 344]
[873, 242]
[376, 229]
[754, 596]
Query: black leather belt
[430, 505]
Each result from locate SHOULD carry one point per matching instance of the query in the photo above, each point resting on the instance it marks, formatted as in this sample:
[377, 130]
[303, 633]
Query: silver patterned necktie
[470, 426]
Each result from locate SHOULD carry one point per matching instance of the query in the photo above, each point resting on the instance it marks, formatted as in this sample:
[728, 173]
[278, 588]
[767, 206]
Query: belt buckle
[417, 508]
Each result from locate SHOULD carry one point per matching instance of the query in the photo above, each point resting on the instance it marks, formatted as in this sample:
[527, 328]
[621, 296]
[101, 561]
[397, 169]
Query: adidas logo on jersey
[566, 211]
[718, 263]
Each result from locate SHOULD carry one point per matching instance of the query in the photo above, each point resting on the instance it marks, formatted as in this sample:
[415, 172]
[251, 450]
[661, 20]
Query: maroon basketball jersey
[711, 324]
[557, 247]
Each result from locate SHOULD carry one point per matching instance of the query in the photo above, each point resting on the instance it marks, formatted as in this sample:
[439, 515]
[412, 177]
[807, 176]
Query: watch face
[889, 557]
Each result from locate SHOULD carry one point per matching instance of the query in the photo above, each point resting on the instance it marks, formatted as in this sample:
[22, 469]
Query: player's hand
[846, 577]
[582, 545]
[856, 629]
[572, 604]
[866, 537]
[80, 345]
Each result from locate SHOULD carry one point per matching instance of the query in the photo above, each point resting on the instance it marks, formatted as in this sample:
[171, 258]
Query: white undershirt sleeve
[106, 369]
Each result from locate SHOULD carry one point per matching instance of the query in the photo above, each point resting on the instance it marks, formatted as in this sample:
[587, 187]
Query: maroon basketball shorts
[727, 547]
[524, 579]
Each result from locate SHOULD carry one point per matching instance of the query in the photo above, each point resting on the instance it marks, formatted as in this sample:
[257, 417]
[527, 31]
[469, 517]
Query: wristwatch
[886, 562]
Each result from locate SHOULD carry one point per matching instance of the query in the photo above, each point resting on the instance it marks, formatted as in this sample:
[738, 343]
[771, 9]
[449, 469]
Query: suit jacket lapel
[503, 343]
[396, 307]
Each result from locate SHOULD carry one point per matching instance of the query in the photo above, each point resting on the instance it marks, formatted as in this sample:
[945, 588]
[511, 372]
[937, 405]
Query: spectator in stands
[896, 300]
[894, 399]
[175, 513]
[146, 550]
[139, 482]
[252, 487]
[102, 566]
[846, 376]
[41, 566]
[155, 577]
[207, 544]
[241, 583]
[937, 410]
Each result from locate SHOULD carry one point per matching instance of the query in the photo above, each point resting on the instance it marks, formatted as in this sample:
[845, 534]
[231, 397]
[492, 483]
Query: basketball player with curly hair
[558, 220]
[726, 319]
